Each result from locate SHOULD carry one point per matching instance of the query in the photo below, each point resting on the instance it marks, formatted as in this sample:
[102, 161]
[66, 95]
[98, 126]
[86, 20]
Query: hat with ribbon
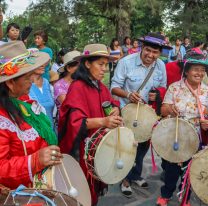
[95, 50]
[193, 58]
[157, 39]
[68, 58]
[16, 60]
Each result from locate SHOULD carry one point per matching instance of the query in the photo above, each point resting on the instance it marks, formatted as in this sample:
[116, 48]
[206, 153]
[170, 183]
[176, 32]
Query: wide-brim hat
[193, 58]
[53, 76]
[16, 60]
[156, 39]
[68, 58]
[95, 50]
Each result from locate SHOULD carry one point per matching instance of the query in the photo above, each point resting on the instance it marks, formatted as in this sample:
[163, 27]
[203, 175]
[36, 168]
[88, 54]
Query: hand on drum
[173, 110]
[112, 122]
[115, 112]
[204, 124]
[46, 154]
[134, 97]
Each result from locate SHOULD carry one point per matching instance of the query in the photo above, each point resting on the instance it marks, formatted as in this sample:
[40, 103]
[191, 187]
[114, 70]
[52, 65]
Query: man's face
[167, 40]
[149, 55]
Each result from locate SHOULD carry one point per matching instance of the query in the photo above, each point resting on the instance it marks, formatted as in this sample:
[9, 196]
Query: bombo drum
[102, 154]
[146, 119]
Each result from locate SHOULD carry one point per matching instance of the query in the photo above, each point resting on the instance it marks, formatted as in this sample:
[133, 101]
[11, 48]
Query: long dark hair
[198, 43]
[126, 37]
[7, 104]
[83, 73]
[65, 73]
[9, 26]
[112, 42]
[62, 53]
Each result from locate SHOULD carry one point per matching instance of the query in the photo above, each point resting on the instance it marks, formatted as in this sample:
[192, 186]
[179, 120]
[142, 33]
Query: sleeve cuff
[36, 165]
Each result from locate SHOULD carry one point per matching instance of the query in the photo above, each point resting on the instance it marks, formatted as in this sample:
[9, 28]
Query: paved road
[143, 197]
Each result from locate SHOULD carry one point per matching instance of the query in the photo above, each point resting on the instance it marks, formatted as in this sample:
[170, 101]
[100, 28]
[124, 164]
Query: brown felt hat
[13, 50]
[95, 50]
[53, 76]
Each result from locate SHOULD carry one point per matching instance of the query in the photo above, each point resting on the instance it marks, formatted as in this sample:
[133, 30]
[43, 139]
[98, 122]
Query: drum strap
[147, 77]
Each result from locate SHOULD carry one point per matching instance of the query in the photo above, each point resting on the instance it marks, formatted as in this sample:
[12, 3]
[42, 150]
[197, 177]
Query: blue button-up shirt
[131, 72]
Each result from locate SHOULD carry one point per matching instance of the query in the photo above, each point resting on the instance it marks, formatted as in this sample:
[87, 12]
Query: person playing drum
[27, 143]
[81, 113]
[129, 76]
[181, 98]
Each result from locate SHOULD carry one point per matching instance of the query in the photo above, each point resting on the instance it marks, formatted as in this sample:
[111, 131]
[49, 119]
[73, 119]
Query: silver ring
[172, 111]
[53, 157]
[53, 152]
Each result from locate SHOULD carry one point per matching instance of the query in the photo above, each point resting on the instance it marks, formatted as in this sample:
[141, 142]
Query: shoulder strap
[147, 77]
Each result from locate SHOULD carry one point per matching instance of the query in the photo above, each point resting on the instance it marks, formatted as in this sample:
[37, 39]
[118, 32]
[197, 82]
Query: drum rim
[99, 146]
[179, 119]
[196, 156]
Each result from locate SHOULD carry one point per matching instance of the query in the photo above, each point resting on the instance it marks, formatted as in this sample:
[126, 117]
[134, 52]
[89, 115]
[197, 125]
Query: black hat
[156, 39]
[193, 58]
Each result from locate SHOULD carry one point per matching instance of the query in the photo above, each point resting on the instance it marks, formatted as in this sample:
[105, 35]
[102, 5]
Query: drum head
[107, 156]
[146, 120]
[163, 138]
[77, 178]
[199, 175]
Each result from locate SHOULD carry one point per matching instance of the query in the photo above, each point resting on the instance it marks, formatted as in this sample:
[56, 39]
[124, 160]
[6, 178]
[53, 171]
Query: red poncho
[81, 102]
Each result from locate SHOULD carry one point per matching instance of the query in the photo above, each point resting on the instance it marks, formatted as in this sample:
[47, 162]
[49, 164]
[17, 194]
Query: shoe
[141, 183]
[162, 176]
[188, 204]
[162, 201]
[126, 191]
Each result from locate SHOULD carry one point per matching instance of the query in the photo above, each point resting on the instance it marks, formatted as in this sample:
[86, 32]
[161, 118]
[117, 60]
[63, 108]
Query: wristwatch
[128, 95]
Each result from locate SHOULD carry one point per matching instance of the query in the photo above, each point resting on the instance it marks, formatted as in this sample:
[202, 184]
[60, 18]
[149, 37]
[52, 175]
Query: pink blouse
[132, 52]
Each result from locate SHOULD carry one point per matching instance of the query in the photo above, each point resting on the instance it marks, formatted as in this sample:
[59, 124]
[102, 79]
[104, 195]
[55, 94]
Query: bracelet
[128, 95]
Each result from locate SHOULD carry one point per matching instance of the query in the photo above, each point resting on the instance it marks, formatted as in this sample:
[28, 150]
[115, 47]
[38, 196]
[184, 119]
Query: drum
[199, 175]
[163, 138]
[146, 119]
[54, 178]
[59, 198]
[102, 154]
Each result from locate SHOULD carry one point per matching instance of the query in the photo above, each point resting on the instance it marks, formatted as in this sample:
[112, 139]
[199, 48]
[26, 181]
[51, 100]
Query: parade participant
[81, 113]
[1, 30]
[178, 51]
[134, 48]
[198, 46]
[126, 46]
[25, 134]
[187, 97]
[41, 92]
[115, 51]
[205, 49]
[165, 52]
[61, 87]
[59, 60]
[131, 73]
[186, 44]
[41, 38]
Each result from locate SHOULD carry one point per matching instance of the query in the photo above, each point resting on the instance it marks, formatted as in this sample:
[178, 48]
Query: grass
[106, 79]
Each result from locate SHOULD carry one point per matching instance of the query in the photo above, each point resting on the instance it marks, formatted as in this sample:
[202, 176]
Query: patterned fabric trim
[29, 168]
[28, 135]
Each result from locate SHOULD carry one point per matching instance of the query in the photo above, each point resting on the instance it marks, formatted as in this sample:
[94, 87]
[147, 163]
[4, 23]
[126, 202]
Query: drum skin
[23, 200]
[146, 120]
[107, 154]
[199, 175]
[163, 138]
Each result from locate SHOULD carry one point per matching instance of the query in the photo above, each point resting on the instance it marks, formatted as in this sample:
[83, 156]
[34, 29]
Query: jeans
[112, 67]
[136, 171]
[172, 174]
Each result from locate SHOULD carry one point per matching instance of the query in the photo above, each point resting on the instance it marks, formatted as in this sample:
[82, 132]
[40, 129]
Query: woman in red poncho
[25, 135]
[81, 113]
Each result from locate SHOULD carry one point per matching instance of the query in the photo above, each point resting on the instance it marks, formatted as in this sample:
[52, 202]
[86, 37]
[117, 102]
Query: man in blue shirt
[129, 75]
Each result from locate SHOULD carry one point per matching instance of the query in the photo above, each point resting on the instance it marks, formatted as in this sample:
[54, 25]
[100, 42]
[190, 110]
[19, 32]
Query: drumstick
[73, 192]
[119, 163]
[135, 121]
[176, 137]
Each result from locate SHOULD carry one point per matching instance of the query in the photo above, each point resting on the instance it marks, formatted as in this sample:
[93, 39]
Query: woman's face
[115, 43]
[201, 46]
[71, 70]
[40, 70]
[196, 74]
[62, 58]
[128, 41]
[135, 44]
[97, 68]
[39, 41]
[178, 42]
[21, 86]
[13, 33]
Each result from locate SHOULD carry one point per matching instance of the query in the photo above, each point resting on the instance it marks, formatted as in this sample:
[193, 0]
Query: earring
[11, 91]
